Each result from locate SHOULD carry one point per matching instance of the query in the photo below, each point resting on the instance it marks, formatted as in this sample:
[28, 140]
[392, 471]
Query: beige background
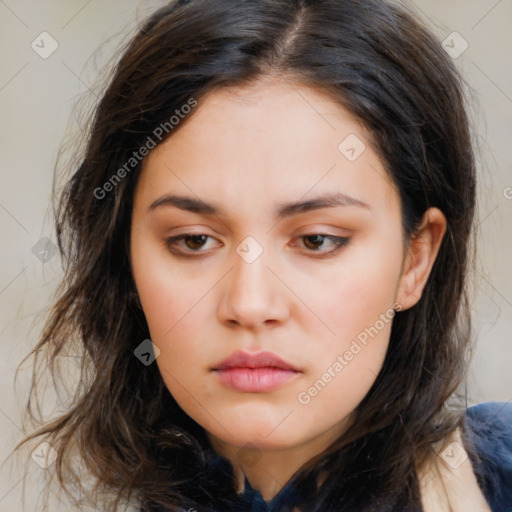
[36, 100]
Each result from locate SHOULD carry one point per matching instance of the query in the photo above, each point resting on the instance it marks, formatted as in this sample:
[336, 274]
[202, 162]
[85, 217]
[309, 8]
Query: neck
[270, 469]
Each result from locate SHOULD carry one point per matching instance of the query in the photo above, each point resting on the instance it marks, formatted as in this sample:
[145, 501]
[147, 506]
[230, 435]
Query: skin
[248, 150]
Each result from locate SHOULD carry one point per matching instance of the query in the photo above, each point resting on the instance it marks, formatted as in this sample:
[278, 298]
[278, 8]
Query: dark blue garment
[489, 428]
[255, 503]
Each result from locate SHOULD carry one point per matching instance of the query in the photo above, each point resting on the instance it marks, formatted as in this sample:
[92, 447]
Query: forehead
[271, 140]
[274, 117]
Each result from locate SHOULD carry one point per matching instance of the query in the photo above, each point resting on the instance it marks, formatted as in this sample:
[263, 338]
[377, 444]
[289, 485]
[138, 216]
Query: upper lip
[263, 359]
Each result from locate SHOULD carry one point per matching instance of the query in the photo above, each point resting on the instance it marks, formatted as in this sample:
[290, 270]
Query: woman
[267, 248]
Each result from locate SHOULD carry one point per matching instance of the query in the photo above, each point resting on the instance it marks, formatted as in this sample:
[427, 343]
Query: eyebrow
[199, 206]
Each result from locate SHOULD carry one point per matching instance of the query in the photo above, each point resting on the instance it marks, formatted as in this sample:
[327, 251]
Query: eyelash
[172, 242]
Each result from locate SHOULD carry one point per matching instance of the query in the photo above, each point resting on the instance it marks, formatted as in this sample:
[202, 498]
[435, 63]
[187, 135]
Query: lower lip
[255, 380]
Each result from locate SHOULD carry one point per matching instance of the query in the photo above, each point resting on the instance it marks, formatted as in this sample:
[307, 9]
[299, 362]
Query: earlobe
[421, 254]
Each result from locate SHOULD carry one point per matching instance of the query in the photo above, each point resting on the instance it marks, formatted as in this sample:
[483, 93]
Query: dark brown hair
[376, 60]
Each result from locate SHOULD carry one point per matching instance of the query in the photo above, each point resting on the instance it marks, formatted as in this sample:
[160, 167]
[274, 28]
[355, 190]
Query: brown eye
[187, 244]
[195, 242]
[315, 241]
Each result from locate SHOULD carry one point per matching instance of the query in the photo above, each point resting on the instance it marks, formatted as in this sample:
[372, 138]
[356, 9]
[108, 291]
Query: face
[225, 260]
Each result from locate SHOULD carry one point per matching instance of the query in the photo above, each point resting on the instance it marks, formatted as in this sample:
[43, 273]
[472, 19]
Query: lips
[259, 360]
[255, 373]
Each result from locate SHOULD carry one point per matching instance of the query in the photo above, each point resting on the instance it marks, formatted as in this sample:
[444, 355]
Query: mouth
[255, 380]
[254, 361]
[255, 373]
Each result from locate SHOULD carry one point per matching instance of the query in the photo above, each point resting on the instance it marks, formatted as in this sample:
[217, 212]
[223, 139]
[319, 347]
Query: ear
[421, 254]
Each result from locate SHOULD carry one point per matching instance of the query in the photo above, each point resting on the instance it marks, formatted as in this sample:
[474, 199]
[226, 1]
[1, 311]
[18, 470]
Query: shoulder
[489, 430]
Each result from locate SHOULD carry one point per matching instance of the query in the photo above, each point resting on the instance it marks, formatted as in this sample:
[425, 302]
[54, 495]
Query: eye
[192, 242]
[316, 241]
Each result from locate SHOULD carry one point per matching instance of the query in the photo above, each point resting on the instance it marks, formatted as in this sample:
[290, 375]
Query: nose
[252, 295]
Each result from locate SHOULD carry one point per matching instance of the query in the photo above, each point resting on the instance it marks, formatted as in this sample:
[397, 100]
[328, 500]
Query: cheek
[175, 311]
[356, 303]
[357, 291]
[166, 293]
[177, 308]
[344, 365]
